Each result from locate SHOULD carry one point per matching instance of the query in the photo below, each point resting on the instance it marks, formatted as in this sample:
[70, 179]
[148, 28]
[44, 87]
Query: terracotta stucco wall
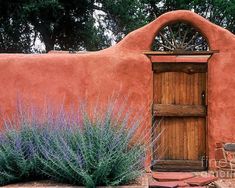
[123, 68]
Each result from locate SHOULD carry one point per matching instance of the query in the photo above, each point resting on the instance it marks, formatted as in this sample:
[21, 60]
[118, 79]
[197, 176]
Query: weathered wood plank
[181, 53]
[178, 165]
[188, 68]
[178, 162]
[179, 110]
[179, 59]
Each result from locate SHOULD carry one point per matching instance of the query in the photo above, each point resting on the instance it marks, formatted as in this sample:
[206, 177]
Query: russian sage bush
[19, 152]
[80, 147]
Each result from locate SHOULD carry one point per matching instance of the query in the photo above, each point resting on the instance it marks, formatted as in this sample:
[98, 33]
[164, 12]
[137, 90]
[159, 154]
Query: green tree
[123, 16]
[59, 24]
[14, 30]
[92, 24]
[64, 24]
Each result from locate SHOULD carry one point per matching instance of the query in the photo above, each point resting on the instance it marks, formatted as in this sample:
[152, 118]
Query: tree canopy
[91, 24]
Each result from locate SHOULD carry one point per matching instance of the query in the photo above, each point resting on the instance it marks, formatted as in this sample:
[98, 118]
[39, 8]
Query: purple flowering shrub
[73, 146]
[19, 154]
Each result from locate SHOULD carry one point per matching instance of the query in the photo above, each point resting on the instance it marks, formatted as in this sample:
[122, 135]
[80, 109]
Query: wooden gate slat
[179, 110]
[189, 68]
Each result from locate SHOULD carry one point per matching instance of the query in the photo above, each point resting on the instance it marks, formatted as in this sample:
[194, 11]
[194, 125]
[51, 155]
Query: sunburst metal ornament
[180, 37]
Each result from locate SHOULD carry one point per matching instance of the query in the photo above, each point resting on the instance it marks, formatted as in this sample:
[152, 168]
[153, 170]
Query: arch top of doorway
[142, 38]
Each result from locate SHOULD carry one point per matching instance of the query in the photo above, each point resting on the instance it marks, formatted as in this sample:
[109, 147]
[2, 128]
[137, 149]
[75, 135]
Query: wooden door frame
[191, 57]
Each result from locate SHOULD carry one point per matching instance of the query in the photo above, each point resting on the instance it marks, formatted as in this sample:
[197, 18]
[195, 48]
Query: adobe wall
[123, 68]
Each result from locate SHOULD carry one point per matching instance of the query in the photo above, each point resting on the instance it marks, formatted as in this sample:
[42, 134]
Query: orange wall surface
[123, 68]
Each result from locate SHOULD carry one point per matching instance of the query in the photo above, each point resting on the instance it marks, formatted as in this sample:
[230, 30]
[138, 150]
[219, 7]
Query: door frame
[186, 57]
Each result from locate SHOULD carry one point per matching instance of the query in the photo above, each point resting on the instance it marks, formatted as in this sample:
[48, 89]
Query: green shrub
[19, 155]
[72, 147]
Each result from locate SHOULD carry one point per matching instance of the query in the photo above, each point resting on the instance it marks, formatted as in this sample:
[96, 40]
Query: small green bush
[19, 155]
[79, 148]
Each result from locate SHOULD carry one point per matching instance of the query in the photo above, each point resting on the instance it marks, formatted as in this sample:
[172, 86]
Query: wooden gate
[180, 115]
[179, 62]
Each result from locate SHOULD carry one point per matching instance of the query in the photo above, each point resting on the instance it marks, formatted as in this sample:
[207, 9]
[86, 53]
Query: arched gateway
[186, 56]
[188, 76]
[179, 65]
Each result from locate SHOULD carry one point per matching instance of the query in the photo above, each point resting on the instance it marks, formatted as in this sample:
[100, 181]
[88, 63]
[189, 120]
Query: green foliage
[59, 24]
[72, 147]
[99, 154]
[92, 24]
[123, 16]
[14, 31]
[221, 12]
[18, 155]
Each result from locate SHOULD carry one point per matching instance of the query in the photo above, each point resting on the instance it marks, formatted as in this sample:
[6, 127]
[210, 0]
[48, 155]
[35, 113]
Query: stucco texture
[123, 68]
